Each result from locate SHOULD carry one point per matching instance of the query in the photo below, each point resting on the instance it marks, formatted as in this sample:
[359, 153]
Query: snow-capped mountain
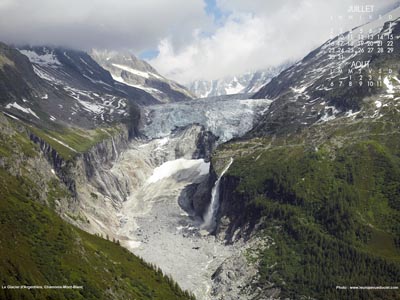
[49, 86]
[353, 75]
[247, 83]
[128, 69]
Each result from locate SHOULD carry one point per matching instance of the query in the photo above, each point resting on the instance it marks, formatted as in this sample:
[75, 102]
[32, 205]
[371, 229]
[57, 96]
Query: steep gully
[158, 195]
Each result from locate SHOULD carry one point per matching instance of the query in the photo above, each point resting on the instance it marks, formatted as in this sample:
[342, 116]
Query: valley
[167, 180]
[281, 183]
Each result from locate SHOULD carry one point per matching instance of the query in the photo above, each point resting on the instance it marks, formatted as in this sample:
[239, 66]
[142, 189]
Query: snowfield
[23, 109]
[47, 59]
[170, 168]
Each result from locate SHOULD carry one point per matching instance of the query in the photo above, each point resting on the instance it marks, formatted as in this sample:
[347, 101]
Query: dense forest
[331, 204]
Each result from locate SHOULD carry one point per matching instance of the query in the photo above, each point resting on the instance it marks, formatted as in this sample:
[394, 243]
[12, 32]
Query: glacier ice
[226, 119]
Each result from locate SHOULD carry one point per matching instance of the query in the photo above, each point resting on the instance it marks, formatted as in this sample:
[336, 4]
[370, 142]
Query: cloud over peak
[196, 39]
[117, 24]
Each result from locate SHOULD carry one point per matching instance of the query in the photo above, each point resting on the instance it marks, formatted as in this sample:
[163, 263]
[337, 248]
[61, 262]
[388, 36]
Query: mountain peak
[128, 69]
[246, 83]
[124, 57]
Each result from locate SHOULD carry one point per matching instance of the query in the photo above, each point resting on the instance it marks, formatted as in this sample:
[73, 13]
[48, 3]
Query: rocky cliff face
[17, 78]
[129, 70]
[102, 179]
[99, 193]
[34, 240]
[233, 224]
[20, 157]
[195, 198]
[93, 188]
[60, 166]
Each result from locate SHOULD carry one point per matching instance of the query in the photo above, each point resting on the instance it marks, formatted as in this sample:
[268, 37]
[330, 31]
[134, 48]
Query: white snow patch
[327, 116]
[132, 71]
[204, 168]
[162, 142]
[299, 90]
[44, 75]
[95, 81]
[118, 78]
[170, 168]
[21, 108]
[143, 146]
[146, 89]
[133, 244]
[82, 60]
[389, 85]
[11, 116]
[378, 104]
[351, 114]
[52, 171]
[156, 75]
[138, 86]
[91, 107]
[48, 59]
[64, 144]
[234, 87]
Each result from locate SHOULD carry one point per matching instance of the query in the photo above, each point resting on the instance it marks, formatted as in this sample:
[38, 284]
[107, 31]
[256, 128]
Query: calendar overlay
[351, 52]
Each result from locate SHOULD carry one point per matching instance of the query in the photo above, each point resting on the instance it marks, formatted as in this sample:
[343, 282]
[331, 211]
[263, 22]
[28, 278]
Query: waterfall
[115, 148]
[209, 217]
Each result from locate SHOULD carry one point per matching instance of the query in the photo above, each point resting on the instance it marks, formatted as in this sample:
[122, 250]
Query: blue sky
[149, 54]
[211, 8]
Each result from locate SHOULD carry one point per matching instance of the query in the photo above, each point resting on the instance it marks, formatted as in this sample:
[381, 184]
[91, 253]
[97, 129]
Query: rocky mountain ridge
[59, 86]
[247, 83]
[126, 68]
[336, 79]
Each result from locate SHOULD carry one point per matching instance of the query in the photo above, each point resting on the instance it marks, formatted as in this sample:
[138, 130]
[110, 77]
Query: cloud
[196, 39]
[257, 34]
[136, 25]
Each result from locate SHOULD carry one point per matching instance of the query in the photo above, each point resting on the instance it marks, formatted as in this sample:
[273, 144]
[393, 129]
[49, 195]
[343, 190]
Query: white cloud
[131, 24]
[257, 34]
[254, 35]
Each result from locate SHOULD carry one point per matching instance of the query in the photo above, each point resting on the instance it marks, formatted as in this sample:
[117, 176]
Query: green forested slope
[329, 197]
[37, 247]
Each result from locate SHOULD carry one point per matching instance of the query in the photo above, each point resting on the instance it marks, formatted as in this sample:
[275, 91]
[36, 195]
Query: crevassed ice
[224, 118]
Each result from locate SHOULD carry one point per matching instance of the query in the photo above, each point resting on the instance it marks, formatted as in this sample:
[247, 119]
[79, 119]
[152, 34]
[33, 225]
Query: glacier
[226, 119]
[151, 211]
